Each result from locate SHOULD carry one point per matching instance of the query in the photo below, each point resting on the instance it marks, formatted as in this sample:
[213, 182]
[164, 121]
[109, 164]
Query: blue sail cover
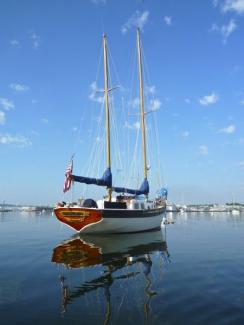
[106, 179]
[144, 189]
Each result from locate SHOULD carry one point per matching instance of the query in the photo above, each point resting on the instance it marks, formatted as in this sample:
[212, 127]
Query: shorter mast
[106, 96]
[144, 145]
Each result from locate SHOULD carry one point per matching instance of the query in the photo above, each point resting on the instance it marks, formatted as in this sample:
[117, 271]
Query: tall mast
[106, 91]
[144, 146]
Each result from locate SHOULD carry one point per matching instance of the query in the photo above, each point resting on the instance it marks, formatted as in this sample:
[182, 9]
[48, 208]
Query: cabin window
[142, 206]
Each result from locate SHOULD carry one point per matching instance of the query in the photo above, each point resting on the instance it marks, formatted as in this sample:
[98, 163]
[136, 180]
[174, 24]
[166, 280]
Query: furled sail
[144, 189]
[106, 179]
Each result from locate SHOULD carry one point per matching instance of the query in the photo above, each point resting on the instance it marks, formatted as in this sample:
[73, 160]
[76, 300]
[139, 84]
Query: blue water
[192, 272]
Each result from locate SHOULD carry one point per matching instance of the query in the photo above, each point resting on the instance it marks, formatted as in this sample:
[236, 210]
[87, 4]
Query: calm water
[192, 273]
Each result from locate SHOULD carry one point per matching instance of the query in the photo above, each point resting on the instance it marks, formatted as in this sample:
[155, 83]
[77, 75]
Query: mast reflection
[114, 253]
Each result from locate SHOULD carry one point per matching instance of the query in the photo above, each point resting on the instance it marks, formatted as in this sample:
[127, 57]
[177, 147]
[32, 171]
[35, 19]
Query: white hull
[235, 212]
[124, 225]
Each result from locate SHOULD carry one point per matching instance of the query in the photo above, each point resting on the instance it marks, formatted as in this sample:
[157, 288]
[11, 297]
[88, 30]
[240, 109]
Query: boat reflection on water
[118, 255]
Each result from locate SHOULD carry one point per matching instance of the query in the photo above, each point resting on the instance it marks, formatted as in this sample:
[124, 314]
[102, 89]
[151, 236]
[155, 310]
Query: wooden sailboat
[131, 211]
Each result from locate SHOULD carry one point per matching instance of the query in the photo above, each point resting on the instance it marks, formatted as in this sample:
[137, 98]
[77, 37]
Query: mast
[106, 91]
[144, 146]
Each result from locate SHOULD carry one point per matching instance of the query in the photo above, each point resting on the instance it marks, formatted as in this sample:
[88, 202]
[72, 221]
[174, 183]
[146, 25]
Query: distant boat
[171, 207]
[28, 209]
[218, 208]
[235, 212]
[132, 210]
[4, 209]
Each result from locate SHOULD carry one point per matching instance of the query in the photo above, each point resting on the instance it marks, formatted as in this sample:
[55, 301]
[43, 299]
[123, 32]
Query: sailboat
[131, 210]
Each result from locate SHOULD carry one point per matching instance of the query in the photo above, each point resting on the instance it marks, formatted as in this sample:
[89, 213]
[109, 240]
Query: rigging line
[97, 135]
[93, 90]
[99, 62]
[114, 116]
[114, 133]
[97, 154]
[155, 120]
[161, 179]
[75, 145]
[114, 125]
[118, 147]
[123, 130]
[133, 166]
[132, 81]
[116, 137]
[152, 148]
[111, 61]
[78, 134]
[100, 151]
[99, 138]
[114, 130]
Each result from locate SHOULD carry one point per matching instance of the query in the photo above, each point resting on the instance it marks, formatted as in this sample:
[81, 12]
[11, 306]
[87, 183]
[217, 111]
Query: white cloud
[229, 129]
[168, 20]
[233, 5]
[138, 19]
[6, 103]
[14, 42]
[203, 150]
[209, 99]
[225, 30]
[17, 140]
[228, 29]
[154, 104]
[2, 118]
[19, 87]
[134, 126]
[151, 89]
[241, 164]
[185, 134]
[99, 139]
[134, 103]
[187, 100]
[36, 40]
[94, 93]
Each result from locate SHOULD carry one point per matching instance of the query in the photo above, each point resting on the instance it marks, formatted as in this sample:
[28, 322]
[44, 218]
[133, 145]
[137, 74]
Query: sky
[51, 69]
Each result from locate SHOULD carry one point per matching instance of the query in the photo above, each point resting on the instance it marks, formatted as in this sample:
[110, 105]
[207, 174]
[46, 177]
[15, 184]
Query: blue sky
[49, 59]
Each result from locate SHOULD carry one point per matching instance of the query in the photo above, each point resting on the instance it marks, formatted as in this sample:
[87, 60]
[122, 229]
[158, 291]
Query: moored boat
[129, 211]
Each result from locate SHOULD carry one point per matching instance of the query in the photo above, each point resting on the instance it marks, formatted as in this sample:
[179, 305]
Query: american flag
[68, 177]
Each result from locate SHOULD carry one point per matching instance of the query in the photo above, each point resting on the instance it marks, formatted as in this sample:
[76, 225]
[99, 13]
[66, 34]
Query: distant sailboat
[3, 208]
[131, 211]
